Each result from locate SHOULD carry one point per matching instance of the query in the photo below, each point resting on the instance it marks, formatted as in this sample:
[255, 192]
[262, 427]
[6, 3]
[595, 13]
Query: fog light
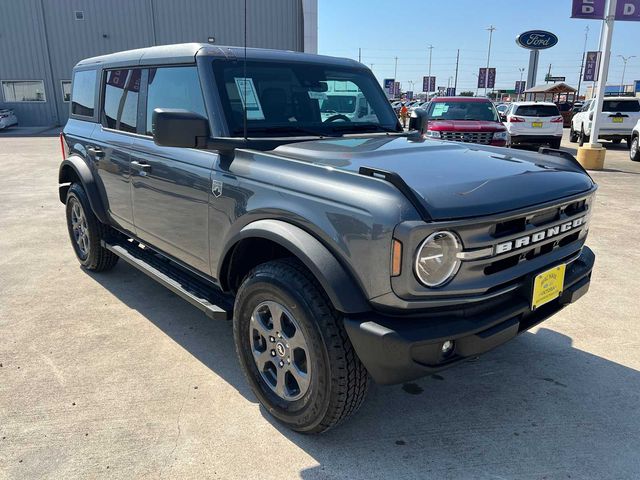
[447, 347]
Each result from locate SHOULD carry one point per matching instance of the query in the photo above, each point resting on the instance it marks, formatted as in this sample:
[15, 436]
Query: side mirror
[503, 117]
[418, 120]
[175, 127]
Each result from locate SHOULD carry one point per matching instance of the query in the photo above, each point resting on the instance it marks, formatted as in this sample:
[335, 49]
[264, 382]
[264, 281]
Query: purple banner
[451, 92]
[592, 9]
[387, 84]
[482, 78]
[428, 84]
[491, 78]
[396, 88]
[626, 10]
[591, 67]
[520, 86]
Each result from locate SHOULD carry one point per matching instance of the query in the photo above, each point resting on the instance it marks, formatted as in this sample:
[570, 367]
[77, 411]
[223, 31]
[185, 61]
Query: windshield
[621, 106]
[482, 111]
[289, 99]
[537, 111]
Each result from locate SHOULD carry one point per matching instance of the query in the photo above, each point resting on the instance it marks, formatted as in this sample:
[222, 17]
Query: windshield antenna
[244, 74]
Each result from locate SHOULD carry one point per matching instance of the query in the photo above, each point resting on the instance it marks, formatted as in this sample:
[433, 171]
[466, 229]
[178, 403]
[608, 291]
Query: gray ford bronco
[277, 190]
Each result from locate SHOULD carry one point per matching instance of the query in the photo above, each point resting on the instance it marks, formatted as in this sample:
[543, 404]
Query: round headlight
[437, 260]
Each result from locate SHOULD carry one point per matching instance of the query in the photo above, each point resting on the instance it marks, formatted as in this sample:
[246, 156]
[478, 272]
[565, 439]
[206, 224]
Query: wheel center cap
[280, 348]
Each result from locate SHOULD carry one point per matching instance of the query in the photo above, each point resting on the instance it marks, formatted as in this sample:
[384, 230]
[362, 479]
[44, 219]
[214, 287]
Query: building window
[83, 95]
[66, 91]
[79, 15]
[24, 91]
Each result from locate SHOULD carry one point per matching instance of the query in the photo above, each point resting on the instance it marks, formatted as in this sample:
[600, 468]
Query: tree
[466, 94]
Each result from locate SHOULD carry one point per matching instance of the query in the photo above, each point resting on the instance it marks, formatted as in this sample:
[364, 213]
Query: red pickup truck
[465, 119]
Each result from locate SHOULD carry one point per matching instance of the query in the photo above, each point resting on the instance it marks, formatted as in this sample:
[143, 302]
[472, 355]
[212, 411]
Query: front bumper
[397, 349]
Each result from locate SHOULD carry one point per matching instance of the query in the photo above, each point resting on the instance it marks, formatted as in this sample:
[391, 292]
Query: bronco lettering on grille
[539, 236]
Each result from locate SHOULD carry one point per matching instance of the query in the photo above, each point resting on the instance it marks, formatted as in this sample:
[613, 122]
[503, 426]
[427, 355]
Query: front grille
[483, 138]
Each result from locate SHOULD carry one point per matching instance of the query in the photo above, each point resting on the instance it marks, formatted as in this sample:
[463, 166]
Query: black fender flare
[85, 175]
[343, 291]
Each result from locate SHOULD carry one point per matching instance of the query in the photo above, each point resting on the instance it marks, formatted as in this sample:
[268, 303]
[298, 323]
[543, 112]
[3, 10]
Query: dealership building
[41, 40]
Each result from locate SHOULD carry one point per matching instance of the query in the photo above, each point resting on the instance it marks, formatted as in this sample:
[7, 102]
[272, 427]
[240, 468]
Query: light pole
[430, 47]
[395, 70]
[491, 29]
[584, 54]
[624, 69]
[520, 88]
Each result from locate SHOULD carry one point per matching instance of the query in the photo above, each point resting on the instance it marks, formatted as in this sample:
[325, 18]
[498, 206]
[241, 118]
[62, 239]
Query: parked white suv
[534, 123]
[634, 147]
[619, 116]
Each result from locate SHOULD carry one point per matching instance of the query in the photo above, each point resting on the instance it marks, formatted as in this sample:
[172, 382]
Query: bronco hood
[453, 180]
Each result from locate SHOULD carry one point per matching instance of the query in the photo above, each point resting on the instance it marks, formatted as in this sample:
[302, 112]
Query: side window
[174, 87]
[120, 110]
[83, 95]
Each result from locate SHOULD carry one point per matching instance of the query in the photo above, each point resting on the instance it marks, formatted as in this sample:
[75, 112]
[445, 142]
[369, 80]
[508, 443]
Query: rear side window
[83, 95]
[538, 111]
[174, 87]
[120, 111]
[621, 106]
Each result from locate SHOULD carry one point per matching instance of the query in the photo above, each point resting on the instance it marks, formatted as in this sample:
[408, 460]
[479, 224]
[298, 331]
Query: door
[113, 140]
[171, 186]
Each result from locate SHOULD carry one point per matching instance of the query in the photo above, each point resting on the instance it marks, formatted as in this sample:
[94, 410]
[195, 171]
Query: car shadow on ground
[535, 408]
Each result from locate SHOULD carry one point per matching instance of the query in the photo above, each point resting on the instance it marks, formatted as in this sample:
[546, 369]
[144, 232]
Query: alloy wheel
[280, 350]
[80, 228]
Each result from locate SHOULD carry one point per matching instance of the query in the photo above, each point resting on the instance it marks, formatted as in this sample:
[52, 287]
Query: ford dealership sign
[536, 40]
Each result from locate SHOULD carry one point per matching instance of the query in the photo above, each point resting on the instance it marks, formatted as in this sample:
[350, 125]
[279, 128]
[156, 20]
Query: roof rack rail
[397, 181]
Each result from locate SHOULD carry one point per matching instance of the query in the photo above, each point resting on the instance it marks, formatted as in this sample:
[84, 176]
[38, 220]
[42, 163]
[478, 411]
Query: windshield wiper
[287, 129]
[362, 127]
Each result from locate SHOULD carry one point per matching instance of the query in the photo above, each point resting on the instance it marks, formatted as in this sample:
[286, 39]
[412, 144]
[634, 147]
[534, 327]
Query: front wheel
[294, 350]
[573, 136]
[634, 149]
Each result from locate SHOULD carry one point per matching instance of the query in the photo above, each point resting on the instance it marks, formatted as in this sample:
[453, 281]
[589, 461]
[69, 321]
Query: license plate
[618, 120]
[536, 124]
[547, 286]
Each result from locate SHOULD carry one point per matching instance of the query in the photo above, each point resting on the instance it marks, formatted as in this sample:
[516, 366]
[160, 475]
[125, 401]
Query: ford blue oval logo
[536, 40]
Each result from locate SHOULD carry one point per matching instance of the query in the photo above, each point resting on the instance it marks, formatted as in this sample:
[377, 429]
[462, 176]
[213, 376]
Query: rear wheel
[616, 141]
[634, 149]
[583, 136]
[86, 232]
[293, 348]
[556, 144]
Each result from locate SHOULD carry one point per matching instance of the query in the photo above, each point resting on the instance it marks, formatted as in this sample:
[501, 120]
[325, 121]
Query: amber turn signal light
[396, 260]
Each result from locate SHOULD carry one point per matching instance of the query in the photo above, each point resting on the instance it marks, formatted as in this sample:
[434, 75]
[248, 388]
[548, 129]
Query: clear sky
[386, 29]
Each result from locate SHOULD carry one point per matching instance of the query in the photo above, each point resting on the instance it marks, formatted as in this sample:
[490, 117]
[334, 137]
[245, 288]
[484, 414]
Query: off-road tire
[98, 258]
[338, 382]
[556, 144]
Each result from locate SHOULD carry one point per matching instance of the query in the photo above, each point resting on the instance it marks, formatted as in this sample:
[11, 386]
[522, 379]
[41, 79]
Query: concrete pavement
[112, 376]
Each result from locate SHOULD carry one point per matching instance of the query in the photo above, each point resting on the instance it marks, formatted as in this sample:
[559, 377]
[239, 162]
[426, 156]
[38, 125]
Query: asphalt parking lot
[112, 376]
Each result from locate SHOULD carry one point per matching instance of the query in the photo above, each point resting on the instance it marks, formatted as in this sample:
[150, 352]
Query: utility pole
[359, 54]
[491, 29]
[624, 69]
[584, 54]
[395, 69]
[455, 82]
[549, 73]
[430, 47]
[521, 70]
[371, 66]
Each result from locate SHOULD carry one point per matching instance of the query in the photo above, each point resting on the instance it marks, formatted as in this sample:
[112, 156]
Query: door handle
[143, 168]
[97, 152]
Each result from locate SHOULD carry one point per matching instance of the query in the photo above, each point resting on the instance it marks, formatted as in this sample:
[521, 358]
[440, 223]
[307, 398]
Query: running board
[198, 292]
